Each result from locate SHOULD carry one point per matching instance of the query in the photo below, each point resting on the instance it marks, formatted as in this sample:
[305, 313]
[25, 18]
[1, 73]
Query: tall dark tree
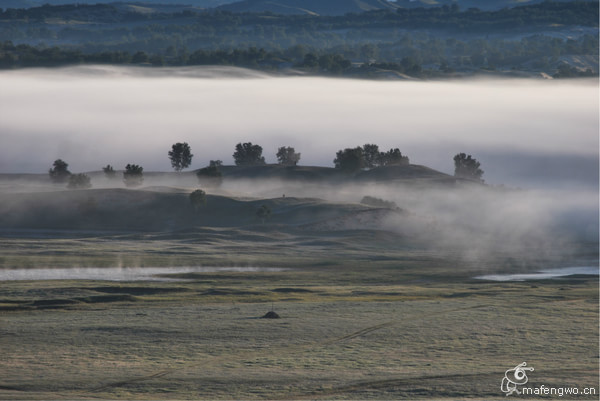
[349, 160]
[133, 175]
[393, 157]
[467, 167]
[59, 172]
[180, 156]
[371, 155]
[247, 154]
[287, 156]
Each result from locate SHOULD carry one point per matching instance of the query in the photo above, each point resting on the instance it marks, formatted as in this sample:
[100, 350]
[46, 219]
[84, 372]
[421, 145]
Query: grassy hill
[161, 209]
[32, 201]
[331, 175]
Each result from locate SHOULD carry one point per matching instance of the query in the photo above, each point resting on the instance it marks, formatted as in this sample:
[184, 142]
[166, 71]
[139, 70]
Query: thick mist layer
[527, 133]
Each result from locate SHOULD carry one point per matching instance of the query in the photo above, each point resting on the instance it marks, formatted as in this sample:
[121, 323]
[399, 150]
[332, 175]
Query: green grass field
[365, 314]
[409, 325]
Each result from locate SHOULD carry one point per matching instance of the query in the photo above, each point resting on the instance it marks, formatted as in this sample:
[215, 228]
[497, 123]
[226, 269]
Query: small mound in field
[271, 315]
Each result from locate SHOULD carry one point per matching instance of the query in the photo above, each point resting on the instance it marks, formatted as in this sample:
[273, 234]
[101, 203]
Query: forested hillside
[551, 38]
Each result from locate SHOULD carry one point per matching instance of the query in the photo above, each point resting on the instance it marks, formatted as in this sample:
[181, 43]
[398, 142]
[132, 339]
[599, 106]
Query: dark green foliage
[371, 155]
[59, 172]
[349, 160]
[405, 55]
[79, 181]
[333, 64]
[133, 176]
[263, 213]
[287, 156]
[467, 167]
[109, 172]
[198, 199]
[211, 175]
[393, 157]
[368, 156]
[180, 156]
[377, 41]
[247, 154]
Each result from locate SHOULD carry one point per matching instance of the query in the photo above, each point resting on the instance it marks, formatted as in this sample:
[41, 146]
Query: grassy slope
[333, 175]
[162, 208]
[356, 335]
[366, 314]
[147, 210]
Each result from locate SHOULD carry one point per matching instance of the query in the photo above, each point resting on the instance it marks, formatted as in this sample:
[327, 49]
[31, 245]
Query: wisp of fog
[540, 135]
[524, 132]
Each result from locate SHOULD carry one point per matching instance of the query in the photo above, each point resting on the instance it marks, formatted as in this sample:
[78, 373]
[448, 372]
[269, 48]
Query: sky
[527, 133]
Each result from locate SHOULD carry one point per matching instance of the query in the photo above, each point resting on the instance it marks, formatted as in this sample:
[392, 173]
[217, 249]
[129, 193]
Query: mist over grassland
[538, 135]
[376, 300]
[93, 116]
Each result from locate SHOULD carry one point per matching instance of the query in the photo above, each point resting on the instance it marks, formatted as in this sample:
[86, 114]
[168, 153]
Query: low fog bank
[538, 135]
[525, 133]
[467, 220]
[465, 216]
[480, 225]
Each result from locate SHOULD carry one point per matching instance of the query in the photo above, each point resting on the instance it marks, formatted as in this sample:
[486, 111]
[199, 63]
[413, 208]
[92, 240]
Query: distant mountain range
[312, 7]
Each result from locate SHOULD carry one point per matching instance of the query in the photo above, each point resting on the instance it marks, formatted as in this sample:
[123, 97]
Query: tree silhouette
[79, 181]
[180, 156]
[371, 155]
[467, 167]
[247, 154]
[198, 199]
[133, 175]
[109, 171]
[59, 172]
[349, 160]
[393, 157]
[287, 156]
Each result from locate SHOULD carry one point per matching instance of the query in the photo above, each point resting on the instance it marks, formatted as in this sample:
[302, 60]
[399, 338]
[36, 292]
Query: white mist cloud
[93, 116]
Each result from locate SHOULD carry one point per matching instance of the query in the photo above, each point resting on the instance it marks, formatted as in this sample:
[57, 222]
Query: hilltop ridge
[311, 7]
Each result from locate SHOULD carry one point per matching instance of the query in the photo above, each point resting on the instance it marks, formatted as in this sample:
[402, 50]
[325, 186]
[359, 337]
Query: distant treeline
[12, 56]
[318, 62]
[418, 42]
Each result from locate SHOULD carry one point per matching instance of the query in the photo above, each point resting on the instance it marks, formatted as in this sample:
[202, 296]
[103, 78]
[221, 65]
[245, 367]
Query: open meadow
[365, 313]
[396, 274]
